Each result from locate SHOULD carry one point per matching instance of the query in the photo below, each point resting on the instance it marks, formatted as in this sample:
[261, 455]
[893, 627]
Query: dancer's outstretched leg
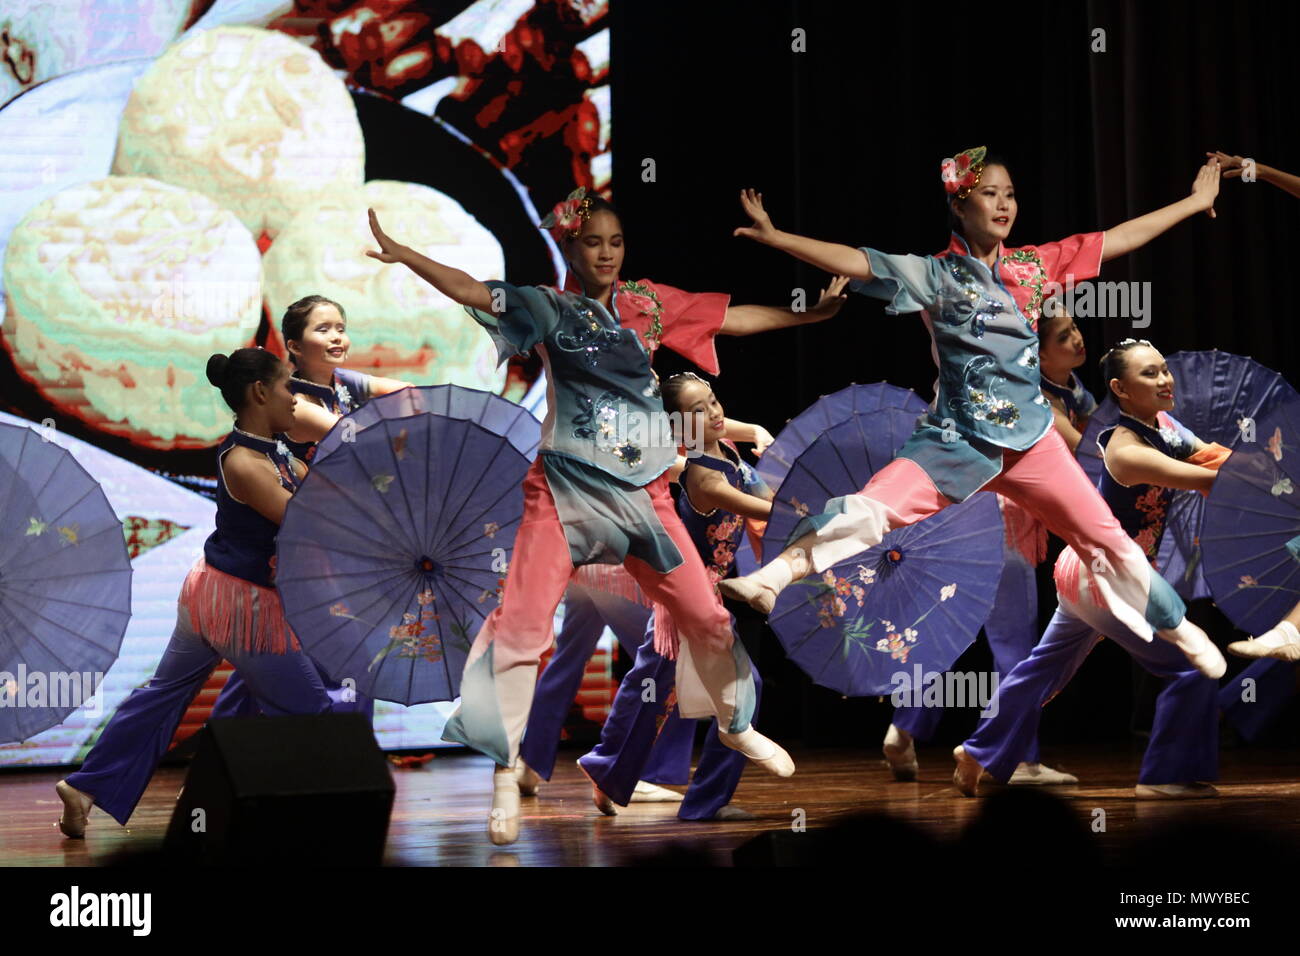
[899, 494]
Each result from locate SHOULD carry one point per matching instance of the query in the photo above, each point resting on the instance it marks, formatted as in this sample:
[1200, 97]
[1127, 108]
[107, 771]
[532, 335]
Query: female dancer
[315, 332]
[719, 492]
[597, 492]
[991, 427]
[227, 607]
[1012, 625]
[1146, 455]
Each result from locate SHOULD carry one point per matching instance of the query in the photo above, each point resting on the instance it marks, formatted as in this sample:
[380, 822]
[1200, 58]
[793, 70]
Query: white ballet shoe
[1198, 648]
[503, 822]
[1280, 643]
[966, 777]
[900, 753]
[76, 809]
[1175, 791]
[768, 754]
[1040, 775]
[758, 596]
[527, 778]
[653, 793]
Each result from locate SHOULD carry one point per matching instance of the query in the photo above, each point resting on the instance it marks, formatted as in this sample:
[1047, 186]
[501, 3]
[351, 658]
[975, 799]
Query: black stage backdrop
[844, 140]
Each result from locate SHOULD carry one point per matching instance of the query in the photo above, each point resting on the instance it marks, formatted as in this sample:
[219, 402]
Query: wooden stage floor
[440, 811]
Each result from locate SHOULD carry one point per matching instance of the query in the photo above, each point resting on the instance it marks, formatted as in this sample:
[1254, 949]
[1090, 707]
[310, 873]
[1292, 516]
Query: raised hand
[762, 230]
[831, 299]
[389, 251]
[1232, 165]
[762, 438]
[1205, 187]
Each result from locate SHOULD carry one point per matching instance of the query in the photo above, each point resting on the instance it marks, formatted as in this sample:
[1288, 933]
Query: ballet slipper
[503, 823]
[765, 752]
[603, 802]
[76, 809]
[1280, 643]
[758, 596]
[1198, 648]
[527, 778]
[1175, 791]
[900, 753]
[967, 775]
[653, 793]
[1040, 775]
[730, 812]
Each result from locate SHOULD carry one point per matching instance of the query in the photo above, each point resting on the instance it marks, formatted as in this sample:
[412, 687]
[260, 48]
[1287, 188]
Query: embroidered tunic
[1078, 401]
[606, 435]
[350, 391]
[1142, 509]
[717, 533]
[982, 324]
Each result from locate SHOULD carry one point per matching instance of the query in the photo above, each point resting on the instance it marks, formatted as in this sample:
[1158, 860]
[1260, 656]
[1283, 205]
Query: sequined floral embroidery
[598, 421]
[981, 404]
[972, 303]
[646, 302]
[1027, 269]
[589, 338]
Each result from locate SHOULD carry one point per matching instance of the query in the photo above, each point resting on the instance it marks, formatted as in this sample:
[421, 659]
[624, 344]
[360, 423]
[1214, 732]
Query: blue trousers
[644, 711]
[1184, 745]
[118, 767]
[1274, 688]
[1012, 631]
[236, 700]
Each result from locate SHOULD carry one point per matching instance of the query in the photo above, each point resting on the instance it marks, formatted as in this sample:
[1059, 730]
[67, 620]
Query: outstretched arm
[453, 283]
[709, 490]
[748, 319]
[1132, 462]
[747, 432]
[837, 259]
[1234, 166]
[1136, 233]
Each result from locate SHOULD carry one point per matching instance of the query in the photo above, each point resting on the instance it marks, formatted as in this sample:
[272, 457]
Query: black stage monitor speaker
[284, 790]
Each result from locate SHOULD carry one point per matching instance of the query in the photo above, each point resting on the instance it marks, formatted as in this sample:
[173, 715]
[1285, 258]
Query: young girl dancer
[1146, 455]
[228, 606]
[315, 332]
[991, 426]
[597, 492]
[719, 491]
[1060, 352]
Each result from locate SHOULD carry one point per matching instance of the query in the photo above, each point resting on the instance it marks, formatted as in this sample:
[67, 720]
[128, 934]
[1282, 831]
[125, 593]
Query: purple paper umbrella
[65, 583]
[1217, 396]
[916, 600]
[1251, 532]
[395, 548]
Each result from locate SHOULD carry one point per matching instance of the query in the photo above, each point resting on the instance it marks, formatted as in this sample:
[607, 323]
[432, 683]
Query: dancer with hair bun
[228, 606]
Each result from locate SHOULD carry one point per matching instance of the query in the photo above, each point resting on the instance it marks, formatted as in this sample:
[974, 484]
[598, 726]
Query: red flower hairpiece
[961, 173]
[566, 219]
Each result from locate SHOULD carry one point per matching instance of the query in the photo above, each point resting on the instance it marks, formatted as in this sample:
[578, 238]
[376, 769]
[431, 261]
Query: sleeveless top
[243, 544]
[1078, 401]
[717, 534]
[350, 391]
[1142, 509]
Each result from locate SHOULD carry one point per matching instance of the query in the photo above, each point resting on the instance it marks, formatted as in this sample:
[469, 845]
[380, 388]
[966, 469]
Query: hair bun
[217, 369]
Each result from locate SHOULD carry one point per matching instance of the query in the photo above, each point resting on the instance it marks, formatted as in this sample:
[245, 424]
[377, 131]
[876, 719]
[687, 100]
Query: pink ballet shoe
[967, 775]
[503, 822]
[767, 753]
[758, 596]
[76, 809]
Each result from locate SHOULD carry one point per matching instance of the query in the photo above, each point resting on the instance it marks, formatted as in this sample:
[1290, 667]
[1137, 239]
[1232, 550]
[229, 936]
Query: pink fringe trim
[1025, 533]
[612, 579]
[665, 633]
[232, 613]
[1067, 576]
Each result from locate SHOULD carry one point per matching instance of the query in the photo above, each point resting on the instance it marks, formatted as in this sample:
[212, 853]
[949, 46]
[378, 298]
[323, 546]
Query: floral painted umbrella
[1219, 397]
[1251, 532]
[65, 584]
[917, 599]
[395, 548]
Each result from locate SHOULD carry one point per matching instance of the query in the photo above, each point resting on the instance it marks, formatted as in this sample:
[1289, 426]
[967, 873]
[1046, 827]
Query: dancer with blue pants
[1146, 455]
[719, 492]
[227, 607]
